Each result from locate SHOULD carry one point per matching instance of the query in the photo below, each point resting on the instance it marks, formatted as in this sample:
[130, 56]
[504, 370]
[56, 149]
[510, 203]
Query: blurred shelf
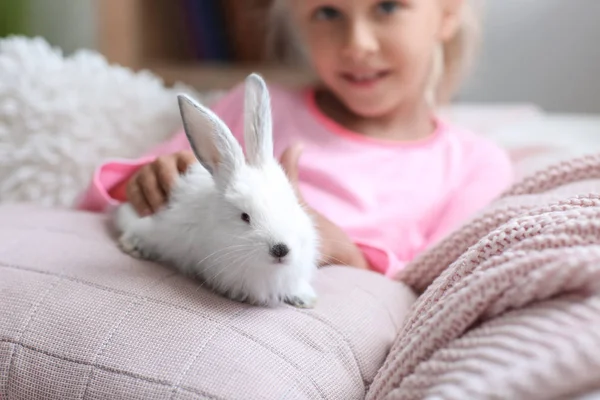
[152, 35]
[207, 76]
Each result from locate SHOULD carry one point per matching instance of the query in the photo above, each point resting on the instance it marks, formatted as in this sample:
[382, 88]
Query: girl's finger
[166, 171]
[184, 160]
[137, 198]
[289, 161]
[151, 190]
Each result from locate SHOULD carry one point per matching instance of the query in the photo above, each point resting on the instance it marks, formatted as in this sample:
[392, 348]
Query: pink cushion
[79, 319]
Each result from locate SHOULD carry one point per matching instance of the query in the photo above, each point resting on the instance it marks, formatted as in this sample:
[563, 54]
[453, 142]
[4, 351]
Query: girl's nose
[361, 41]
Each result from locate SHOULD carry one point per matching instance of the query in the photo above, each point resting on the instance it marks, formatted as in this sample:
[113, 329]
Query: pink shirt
[394, 199]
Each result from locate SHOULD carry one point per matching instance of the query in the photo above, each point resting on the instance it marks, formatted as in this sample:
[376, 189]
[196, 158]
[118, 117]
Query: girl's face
[374, 55]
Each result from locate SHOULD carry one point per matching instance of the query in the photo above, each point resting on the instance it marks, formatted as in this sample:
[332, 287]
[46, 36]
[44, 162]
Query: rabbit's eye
[246, 218]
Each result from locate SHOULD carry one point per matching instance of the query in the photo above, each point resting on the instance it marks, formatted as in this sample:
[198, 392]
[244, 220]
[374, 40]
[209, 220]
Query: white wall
[70, 24]
[542, 51]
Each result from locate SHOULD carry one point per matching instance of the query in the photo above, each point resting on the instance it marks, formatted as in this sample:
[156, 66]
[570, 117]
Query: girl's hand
[149, 188]
[336, 246]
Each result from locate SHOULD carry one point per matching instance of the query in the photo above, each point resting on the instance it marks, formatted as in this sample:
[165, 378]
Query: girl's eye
[388, 7]
[245, 218]
[327, 13]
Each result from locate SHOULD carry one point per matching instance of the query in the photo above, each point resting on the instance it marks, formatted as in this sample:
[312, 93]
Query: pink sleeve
[381, 260]
[96, 197]
[489, 174]
[114, 171]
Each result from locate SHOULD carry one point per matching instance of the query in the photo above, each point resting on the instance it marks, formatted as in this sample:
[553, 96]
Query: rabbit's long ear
[258, 126]
[211, 140]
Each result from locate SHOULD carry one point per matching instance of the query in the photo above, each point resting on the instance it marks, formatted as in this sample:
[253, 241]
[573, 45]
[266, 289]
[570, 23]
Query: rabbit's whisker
[228, 248]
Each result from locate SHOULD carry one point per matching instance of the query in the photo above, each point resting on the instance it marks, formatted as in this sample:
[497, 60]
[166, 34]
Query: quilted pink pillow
[81, 320]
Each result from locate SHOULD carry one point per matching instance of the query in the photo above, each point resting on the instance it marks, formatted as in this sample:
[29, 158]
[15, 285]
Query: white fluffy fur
[60, 117]
[201, 231]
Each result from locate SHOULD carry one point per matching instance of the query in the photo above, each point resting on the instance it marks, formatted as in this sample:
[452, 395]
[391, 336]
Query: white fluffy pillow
[61, 116]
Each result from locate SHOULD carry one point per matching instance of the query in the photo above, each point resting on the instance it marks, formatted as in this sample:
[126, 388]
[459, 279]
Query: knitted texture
[509, 306]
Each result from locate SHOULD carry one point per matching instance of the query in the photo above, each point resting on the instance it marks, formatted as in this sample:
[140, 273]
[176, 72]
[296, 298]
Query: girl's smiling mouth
[364, 79]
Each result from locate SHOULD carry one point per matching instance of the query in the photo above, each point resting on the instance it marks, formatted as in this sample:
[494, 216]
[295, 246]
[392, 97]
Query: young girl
[382, 175]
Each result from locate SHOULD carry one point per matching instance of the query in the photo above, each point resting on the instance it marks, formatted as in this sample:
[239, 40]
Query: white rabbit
[236, 223]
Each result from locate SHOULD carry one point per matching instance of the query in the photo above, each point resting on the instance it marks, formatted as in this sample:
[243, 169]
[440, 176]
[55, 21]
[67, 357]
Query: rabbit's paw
[304, 297]
[132, 245]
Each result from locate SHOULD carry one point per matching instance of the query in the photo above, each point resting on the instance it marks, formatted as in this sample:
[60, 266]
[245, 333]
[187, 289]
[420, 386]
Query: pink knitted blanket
[509, 304]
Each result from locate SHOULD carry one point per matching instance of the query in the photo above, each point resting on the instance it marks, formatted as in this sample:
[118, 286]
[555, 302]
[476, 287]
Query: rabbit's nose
[279, 250]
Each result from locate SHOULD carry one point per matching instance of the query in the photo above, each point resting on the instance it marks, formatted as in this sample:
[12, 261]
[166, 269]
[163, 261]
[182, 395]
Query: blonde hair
[452, 60]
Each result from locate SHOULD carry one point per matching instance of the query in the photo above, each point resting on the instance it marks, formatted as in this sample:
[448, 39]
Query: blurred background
[536, 51]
